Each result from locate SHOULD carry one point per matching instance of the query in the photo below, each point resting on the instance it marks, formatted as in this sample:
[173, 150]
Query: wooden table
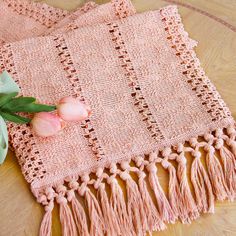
[20, 214]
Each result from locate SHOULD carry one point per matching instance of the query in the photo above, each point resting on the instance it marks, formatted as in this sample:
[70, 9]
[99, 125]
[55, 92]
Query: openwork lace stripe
[20, 136]
[42, 13]
[72, 76]
[123, 8]
[195, 75]
[136, 93]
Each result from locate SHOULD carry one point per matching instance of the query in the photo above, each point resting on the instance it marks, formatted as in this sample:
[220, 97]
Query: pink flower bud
[72, 109]
[46, 124]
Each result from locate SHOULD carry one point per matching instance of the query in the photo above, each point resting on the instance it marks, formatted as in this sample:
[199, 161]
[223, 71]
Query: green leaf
[3, 140]
[14, 118]
[30, 108]
[5, 98]
[7, 84]
[15, 103]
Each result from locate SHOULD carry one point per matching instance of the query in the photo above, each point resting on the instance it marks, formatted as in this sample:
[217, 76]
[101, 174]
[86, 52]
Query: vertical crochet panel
[195, 75]
[136, 93]
[32, 168]
[73, 77]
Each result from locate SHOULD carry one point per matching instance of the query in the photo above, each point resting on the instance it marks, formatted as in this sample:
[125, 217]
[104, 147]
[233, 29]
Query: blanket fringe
[118, 203]
[95, 214]
[46, 225]
[202, 185]
[216, 174]
[134, 202]
[77, 210]
[109, 215]
[229, 164]
[142, 206]
[175, 197]
[184, 188]
[167, 214]
[154, 221]
[66, 218]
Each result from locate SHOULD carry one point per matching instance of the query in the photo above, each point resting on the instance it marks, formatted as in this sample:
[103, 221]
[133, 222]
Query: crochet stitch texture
[152, 104]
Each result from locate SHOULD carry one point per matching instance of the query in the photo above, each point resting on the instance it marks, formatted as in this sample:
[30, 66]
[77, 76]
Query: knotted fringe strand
[118, 204]
[216, 174]
[202, 185]
[184, 188]
[154, 221]
[46, 224]
[227, 155]
[97, 227]
[134, 205]
[66, 218]
[112, 225]
[229, 167]
[46, 199]
[175, 198]
[232, 144]
[165, 210]
[80, 217]
[78, 213]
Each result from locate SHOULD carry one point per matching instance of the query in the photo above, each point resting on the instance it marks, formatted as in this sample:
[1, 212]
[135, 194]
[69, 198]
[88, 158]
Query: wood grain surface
[21, 215]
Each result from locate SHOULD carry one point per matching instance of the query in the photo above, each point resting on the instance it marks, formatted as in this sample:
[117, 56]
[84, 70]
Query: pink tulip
[72, 109]
[46, 124]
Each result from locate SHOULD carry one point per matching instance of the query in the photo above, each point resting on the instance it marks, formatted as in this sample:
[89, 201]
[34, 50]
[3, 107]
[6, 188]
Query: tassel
[46, 224]
[77, 210]
[228, 155]
[175, 197]
[229, 166]
[80, 217]
[202, 185]
[154, 221]
[108, 213]
[167, 214]
[216, 174]
[184, 189]
[97, 227]
[232, 144]
[66, 218]
[134, 205]
[78, 213]
[47, 200]
[118, 204]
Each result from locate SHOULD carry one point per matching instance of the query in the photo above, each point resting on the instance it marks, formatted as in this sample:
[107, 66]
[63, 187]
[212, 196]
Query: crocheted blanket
[152, 106]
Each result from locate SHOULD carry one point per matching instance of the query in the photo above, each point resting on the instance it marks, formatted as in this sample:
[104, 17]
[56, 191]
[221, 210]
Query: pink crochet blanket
[152, 106]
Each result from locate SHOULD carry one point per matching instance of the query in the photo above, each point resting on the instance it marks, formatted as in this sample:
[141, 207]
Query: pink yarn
[152, 105]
